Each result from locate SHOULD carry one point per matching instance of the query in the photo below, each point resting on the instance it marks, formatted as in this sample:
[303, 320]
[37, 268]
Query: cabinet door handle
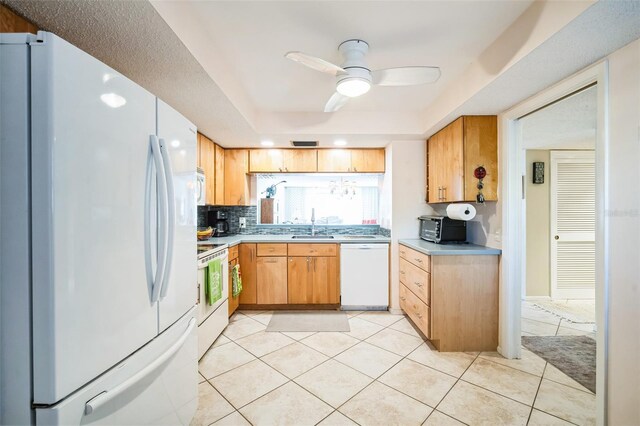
[418, 283]
[403, 298]
[444, 193]
[355, 170]
[271, 261]
[417, 259]
[418, 315]
[402, 272]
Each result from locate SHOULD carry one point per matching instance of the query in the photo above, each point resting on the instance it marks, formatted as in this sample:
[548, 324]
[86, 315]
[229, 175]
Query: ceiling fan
[354, 78]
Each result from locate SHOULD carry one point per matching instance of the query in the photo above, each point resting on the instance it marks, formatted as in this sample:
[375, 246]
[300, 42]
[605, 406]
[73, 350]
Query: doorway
[515, 174]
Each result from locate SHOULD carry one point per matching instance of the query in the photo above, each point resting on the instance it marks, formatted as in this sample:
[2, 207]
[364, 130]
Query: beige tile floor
[380, 373]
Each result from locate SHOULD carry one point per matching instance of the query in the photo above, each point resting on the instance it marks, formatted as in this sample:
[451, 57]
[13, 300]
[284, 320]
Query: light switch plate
[243, 222]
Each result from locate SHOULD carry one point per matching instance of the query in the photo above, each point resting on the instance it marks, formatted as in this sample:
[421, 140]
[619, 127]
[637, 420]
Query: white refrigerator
[98, 250]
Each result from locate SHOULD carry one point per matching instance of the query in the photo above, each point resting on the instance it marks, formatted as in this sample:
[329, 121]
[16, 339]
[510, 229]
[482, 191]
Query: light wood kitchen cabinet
[283, 160]
[454, 153]
[313, 271]
[219, 176]
[271, 280]
[313, 280]
[351, 160]
[207, 162]
[289, 274]
[234, 302]
[452, 299]
[334, 160]
[367, 160]
[248, 268]
[236, 178]
[272, 249]
[301, 160]
[210, 159]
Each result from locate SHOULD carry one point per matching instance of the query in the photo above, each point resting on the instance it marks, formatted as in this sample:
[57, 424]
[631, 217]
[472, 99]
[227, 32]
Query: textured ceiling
[567, 124]
[132, 38]
[250, 39]
[602, 29]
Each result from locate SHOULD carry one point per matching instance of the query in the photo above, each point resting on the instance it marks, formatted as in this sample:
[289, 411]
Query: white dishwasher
[364, 276]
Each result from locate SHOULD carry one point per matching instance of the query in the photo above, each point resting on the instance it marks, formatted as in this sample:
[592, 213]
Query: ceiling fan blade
[336, 102]
[405, 76]
[315, 63]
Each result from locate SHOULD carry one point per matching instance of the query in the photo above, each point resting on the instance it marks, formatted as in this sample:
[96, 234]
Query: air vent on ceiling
[304, 144]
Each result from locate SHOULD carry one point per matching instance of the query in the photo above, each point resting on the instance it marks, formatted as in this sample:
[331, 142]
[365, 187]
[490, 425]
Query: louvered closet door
[572, 224]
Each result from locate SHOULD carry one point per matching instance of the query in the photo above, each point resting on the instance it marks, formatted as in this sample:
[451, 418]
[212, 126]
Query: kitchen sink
[313, 237]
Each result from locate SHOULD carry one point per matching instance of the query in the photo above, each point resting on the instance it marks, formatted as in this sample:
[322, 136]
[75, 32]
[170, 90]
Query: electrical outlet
[243, 222]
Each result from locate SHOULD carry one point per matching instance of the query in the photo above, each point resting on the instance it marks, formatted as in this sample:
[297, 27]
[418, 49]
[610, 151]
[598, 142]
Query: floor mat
[575, 356]
[309, 321]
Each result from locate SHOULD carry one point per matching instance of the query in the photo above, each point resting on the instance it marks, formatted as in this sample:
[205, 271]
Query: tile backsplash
[234, 214]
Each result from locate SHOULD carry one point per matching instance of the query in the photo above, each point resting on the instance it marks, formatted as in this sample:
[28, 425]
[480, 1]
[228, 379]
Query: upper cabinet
[236, 178]
[454, 154]
[219, 176]
[351, 160]
[211, 161]
[367, 160]
[283, 160]
[207, 162]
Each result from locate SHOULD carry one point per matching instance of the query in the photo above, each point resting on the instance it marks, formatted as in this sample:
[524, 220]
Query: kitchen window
[336, 199]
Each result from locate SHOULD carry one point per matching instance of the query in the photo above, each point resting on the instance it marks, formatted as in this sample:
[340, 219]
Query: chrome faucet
[313, 222]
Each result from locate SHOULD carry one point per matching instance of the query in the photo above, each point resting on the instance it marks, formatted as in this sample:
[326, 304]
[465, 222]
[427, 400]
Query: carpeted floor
[575, 356]
[309, 321]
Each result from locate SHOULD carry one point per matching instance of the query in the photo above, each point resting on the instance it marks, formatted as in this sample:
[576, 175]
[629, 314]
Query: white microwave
[201, 189]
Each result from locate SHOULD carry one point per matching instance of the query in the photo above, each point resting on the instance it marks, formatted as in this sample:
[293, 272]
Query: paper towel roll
[461, 211]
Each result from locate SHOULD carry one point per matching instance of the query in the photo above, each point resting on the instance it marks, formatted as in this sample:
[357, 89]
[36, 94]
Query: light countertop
[233, 240]
[434, 249]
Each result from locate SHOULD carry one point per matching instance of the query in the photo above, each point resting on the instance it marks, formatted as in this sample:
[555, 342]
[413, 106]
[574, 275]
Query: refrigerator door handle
[162, 218]
[106, 396]
[171, 216]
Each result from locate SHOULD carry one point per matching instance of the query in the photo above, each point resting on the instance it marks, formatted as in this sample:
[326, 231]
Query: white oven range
[212, 319]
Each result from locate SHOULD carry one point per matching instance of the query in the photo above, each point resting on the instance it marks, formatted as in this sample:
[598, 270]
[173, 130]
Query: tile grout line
[536, 395]
[513, 368]
[454, 385]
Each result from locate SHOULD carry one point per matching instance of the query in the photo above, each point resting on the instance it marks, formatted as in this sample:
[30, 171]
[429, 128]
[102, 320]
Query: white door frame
[512, 172]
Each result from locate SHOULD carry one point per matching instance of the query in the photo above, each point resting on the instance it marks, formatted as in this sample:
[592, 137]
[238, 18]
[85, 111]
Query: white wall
[538, 226]
[624, 236]
[408, 193]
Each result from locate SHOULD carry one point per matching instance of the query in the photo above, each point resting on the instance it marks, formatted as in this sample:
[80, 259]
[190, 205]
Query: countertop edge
[234, 240]
[433, 249]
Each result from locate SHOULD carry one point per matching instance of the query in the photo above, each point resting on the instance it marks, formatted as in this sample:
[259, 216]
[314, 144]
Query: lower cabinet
[313, 280]
[271, 280]
[248, 259]
[452, 299]
[289, 274]
[234, 302]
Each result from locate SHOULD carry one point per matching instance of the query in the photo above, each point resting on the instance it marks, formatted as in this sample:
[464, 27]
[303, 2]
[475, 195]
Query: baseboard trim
[534, 298]
[395, 311]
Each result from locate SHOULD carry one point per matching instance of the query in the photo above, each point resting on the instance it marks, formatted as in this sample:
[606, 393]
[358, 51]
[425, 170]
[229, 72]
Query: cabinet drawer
[417, 310]
[313, 249]
[416, 280]
[233, 252]
[421, 260]
[272, 249]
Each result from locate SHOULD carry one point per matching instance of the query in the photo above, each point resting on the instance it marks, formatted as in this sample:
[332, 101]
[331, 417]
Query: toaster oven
[441, 229]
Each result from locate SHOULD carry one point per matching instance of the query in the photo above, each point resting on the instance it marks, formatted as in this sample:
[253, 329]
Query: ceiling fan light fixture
[353, 87]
